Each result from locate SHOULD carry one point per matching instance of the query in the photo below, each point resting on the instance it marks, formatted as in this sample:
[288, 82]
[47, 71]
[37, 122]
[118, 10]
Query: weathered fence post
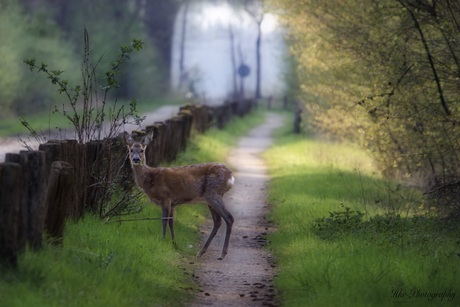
[36, 196]
[156, 151]
[81, 180]
[10, 200]
[22, 217]
[74, 153]
[169, 144]
[59, 200]
[179, 129]
[57, 150]
[187, 121]
[92, 170]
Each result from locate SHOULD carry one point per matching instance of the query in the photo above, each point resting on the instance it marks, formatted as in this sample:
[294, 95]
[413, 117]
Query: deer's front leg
[167, 215]
[164, 219]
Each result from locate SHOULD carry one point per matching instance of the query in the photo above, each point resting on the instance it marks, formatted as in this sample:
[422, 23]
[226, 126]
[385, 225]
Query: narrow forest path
[244, 277]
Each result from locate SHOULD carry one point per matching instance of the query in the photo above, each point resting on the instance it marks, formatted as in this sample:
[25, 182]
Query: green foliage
[9, 69]
[383, 74]
[95, 111]
[111, 24]
[391, 230]
[342, 237]
[52, 32]
[19, 93]
[338, 222]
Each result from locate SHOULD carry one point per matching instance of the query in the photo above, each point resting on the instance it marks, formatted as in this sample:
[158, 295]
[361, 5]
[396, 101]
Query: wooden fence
[40, 190]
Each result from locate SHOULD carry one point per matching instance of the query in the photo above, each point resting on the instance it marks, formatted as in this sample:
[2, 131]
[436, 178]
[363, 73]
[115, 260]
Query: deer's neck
[140, 172]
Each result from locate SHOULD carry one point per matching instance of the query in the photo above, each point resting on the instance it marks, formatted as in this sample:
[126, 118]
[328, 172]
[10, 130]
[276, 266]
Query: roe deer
[169, 187]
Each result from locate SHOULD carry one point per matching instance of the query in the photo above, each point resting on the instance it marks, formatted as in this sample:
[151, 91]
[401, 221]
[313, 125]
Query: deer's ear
[147, 139]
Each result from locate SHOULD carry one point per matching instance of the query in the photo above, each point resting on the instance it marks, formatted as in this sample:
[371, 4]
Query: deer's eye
[142, 151]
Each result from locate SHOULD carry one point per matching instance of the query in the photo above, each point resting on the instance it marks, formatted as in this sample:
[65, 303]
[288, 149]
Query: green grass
[122, 264]
[216, 144]
[346, 237]
[106, 265]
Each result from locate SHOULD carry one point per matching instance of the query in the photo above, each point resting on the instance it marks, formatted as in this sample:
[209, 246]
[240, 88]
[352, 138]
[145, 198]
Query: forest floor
[245, 276]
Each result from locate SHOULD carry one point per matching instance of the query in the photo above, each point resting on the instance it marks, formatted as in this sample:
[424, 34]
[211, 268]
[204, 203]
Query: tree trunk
[183, 39]
[258, 61]
[233, 61]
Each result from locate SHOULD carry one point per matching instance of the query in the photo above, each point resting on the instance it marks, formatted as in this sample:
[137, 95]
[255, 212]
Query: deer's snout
[136, 159]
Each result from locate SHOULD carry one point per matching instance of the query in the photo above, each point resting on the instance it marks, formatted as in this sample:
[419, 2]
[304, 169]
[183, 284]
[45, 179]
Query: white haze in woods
[208, 57]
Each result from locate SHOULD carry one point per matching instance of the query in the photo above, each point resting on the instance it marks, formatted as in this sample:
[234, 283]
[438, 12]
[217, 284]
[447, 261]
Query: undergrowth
[417, 231]
[347, 237]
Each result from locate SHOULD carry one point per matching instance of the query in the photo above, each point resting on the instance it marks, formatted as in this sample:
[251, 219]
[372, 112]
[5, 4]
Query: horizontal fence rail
[40, 190]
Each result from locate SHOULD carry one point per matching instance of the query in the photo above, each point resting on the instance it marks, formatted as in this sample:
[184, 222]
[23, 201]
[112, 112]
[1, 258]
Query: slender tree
[231, 38]
[183, 40]
[256, 9]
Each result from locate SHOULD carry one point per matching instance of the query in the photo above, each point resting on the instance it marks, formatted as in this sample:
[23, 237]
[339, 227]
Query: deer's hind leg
[217, 204]
[217, 222]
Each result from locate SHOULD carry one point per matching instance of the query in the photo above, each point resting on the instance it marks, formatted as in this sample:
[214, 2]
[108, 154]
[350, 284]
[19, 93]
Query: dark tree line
[52, 31]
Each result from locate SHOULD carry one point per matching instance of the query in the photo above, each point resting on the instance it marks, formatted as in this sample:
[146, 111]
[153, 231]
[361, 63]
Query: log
[69, 151]
[160, 151]
[77, 207]
[73, 156]
[170, 153]
[93, 191]
[22, 217]
[10, 200]
[36, 196]
[59, 200]
[187, 119]
[178, 125]
[53, 152]
[152, 154]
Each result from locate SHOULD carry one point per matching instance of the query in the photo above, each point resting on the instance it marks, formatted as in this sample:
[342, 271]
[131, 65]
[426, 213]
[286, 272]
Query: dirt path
[244, 277]
[14, 145]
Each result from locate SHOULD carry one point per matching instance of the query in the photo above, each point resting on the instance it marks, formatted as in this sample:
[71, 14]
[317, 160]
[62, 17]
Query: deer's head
[137, 148]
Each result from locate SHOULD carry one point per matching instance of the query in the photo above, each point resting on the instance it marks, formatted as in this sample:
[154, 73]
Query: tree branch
[430, 58]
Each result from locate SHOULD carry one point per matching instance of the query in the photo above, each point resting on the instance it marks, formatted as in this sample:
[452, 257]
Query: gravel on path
[245, 276]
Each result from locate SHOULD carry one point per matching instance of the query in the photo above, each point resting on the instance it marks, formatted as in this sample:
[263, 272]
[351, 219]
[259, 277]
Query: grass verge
[346, 237]
[122, 264]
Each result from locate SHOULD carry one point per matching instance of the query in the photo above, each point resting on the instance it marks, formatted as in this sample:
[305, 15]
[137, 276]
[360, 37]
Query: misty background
[201, 61]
